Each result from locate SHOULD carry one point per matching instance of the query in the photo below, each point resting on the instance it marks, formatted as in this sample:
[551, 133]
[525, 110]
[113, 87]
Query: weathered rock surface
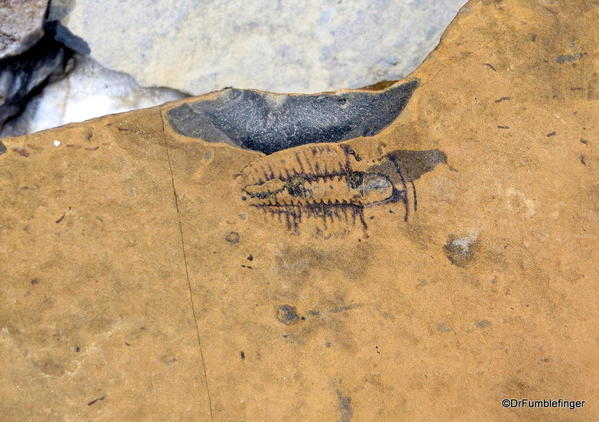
[200, 46]
[21, 25]
[425, 272]
[22, 75]
[87, 91]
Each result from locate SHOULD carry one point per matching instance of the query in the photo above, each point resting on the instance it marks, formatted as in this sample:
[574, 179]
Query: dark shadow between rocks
[23, 76]
[268, 122]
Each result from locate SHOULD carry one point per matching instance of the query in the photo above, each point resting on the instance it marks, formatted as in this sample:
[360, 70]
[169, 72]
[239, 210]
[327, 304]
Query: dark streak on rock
[60, 218]
[21, 151]
[550, 134]
[96, 400]
[64, 35]
[272, 122]
[503, 99]
[502, 127]
[582, 159]
[490, 66]
[242, 355]
[345, 308]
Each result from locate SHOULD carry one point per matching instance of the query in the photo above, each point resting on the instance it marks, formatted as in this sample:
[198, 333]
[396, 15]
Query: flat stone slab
[427, 271]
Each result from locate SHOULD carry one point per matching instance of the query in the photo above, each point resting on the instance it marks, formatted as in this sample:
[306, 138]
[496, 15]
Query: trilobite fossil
[331, 182]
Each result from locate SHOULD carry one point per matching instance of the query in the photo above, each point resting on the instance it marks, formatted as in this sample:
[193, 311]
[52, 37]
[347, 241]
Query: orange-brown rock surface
[426, 272]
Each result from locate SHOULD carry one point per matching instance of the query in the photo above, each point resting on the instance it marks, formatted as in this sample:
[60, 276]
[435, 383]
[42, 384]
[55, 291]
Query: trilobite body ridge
[357, 188]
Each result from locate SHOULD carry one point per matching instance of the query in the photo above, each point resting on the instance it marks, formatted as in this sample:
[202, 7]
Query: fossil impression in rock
[331, 184]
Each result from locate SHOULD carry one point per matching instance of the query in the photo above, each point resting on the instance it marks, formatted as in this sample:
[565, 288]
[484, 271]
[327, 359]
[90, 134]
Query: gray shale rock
[21, 24]
[199, 46]
[271, 122]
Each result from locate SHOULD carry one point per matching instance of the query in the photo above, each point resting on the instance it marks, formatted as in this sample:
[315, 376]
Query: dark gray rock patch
[272, 122]
[287, 314]
[64, 35]
[403, 166]
[344, 406]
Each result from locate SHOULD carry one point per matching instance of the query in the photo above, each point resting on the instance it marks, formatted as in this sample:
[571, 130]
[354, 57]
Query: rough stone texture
[21, 76]
[21, 23]
[87, 91]
[138, 284]
[200, 46]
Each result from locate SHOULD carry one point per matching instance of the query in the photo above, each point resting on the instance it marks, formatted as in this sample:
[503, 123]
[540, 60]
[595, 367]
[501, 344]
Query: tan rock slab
[139, 282]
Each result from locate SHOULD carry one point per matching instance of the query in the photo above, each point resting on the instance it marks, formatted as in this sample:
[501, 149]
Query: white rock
[288, 46]
[88, 91]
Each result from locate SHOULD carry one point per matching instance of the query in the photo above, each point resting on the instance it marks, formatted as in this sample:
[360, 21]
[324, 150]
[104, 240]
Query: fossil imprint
[331, 182]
